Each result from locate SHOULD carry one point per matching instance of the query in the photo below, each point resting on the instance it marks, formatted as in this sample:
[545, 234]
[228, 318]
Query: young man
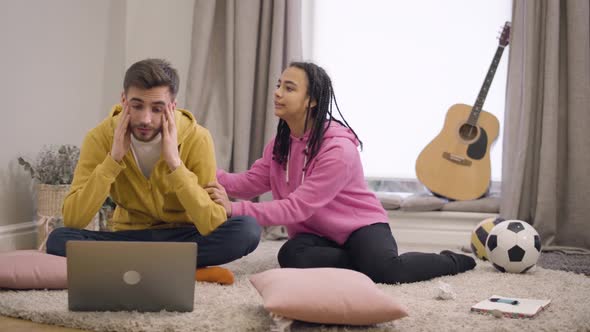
[153, 160]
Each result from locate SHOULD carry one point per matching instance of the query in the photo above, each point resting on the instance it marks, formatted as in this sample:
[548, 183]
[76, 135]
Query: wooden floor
[19, 325]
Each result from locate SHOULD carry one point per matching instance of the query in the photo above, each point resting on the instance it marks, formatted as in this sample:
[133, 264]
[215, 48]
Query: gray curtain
[239, 49]
[546, 152]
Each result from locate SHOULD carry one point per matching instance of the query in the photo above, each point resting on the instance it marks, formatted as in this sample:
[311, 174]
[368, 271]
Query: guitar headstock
[505, 35]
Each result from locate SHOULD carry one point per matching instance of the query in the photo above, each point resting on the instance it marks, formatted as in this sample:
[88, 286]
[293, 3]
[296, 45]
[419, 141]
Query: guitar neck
[483, 92]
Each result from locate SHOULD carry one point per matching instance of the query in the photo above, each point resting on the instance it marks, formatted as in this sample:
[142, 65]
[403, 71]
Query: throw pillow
[490, 204]
[31, 269]
[389, 201]
[422, 202]
[325, 295]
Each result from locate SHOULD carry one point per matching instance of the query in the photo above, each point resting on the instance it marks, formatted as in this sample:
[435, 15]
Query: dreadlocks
[319, 88]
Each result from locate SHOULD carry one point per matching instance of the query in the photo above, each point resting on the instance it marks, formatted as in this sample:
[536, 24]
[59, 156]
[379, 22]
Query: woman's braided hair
[319, 88]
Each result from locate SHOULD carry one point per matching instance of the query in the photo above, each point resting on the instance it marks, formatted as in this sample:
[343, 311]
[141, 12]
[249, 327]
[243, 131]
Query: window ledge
[449, 229]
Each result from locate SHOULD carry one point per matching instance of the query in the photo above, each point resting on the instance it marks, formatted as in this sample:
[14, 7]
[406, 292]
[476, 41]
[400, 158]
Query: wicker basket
[49, 203]
[50, 199]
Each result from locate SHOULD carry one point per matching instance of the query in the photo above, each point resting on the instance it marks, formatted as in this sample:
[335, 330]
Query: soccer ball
[513, 246]
[479, 235]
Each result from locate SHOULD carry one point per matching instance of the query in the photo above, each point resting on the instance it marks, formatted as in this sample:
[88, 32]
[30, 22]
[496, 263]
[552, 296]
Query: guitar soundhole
[468, 132]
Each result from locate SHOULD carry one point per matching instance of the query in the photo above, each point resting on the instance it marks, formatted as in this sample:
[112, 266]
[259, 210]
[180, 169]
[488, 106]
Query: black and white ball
[513, 246]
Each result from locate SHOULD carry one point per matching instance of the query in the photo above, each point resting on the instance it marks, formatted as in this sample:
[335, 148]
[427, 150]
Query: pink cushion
[31, 269]
[326, 295]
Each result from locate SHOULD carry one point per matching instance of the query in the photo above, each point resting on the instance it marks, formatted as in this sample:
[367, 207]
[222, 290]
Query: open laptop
[127, 276]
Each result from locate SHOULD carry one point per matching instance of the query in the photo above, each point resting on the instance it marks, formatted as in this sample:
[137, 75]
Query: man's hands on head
[170, 138]
[122, 137]
[219, 196]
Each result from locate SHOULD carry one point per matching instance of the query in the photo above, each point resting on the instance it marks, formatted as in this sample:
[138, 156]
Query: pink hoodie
[331, 199]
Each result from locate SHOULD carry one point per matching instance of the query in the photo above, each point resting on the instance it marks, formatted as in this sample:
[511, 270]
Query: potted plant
[52, 172]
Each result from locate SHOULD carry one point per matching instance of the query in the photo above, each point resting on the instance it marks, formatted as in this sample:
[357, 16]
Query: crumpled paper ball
[445, 291]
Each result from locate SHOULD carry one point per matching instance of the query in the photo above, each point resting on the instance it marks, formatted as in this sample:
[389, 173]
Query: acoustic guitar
[456, 163]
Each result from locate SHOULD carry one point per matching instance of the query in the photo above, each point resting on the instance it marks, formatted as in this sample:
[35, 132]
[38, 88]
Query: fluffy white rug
[239, 307]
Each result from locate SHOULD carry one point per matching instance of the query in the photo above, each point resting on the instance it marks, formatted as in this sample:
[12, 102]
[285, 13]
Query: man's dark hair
[319, 88]
[151, 73]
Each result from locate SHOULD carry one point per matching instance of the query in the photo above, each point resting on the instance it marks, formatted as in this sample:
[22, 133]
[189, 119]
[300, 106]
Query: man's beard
[142, 138]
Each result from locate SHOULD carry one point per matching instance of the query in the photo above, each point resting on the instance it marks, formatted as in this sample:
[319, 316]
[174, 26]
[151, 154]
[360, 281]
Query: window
[398, 66]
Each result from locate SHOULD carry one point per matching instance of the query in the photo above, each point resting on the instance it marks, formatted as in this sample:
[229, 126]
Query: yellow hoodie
[145, 203]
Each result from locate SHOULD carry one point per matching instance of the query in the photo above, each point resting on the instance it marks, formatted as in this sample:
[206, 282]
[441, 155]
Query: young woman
[314, 171]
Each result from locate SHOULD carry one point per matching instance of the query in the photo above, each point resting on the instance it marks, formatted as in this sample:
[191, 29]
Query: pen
[507, 301]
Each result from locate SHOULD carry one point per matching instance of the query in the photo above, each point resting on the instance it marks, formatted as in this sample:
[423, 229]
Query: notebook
[131, 276]
[510, 306]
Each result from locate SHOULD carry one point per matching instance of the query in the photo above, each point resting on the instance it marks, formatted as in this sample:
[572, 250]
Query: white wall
[52, 65]
[62, 65]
